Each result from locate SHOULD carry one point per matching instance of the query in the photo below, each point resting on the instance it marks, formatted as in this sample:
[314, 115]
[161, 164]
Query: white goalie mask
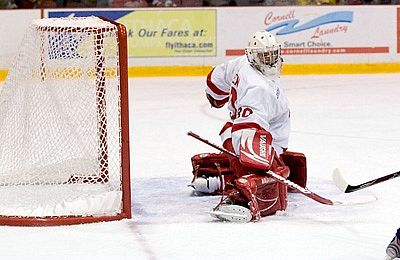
[264, 53]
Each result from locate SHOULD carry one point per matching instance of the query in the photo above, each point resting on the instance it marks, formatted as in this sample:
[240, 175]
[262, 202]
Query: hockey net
[64, 137]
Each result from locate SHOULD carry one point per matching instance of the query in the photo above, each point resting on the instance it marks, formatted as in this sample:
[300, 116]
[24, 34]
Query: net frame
[124, 135]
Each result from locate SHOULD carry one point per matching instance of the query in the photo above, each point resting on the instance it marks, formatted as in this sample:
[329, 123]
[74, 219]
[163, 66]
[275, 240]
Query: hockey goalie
[258, 133]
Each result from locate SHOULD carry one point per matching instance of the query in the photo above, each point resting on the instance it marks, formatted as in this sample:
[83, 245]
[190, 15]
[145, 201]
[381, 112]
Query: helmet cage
[268, 56]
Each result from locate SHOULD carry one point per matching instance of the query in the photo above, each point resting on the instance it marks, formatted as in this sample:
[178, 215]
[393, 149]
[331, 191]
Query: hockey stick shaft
[306, 192]
[221, 149]
[352, 188]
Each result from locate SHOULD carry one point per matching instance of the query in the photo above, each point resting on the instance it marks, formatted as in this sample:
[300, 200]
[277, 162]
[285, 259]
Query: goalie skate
[232, 213]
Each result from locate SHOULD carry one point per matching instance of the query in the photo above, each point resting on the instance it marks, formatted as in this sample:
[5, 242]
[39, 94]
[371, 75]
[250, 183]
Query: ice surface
[347, 121]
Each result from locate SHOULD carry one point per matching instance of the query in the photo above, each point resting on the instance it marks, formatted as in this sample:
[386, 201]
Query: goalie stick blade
[232, 213]
[359, 200]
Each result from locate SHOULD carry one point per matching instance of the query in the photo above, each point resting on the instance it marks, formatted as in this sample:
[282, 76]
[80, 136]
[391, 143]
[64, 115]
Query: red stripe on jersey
[226, 126]
[214, 88]
[222, 101]
[241, 126]
[233, 100]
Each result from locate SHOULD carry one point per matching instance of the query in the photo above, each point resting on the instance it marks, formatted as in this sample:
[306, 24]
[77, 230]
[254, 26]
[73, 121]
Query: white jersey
[254, 102]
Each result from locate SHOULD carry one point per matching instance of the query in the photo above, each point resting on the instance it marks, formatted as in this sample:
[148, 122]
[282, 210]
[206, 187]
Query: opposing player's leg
[393, 249]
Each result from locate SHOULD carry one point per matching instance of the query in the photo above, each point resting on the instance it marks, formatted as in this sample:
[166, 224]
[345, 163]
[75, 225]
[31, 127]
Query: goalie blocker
[244, 180]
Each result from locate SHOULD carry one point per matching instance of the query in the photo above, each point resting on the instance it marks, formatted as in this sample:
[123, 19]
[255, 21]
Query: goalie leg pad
[297, 164]
[206, 164]
[211, 171]
[272, 198]
[263, 195]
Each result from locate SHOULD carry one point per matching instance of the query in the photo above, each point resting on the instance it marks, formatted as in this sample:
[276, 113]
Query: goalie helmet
[264, 53]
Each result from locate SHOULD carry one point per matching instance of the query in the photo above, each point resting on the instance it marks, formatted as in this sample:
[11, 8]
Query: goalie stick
[344, 186]
[305, 191]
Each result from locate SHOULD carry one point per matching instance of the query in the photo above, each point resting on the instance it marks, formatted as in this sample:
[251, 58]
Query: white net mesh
[60, 140]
